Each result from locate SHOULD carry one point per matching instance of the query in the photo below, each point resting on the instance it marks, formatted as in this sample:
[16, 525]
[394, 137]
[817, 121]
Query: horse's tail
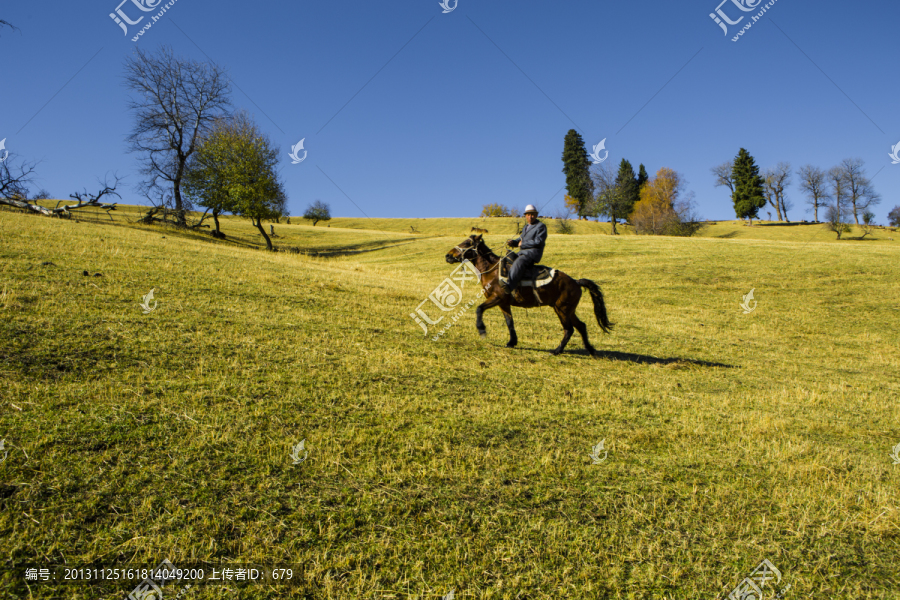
[599, 305]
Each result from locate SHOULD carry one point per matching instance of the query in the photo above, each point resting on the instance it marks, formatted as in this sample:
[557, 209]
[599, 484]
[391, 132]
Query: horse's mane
[490, 253]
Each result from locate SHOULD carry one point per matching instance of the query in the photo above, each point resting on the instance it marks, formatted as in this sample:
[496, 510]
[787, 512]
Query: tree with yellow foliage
[665, 207]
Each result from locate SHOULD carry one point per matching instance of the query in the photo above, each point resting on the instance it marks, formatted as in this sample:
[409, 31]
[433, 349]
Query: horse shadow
[640, 359]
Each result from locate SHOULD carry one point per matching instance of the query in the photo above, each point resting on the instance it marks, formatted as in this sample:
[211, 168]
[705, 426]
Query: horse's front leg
[479, 321]
[479, 312]
[507, 314]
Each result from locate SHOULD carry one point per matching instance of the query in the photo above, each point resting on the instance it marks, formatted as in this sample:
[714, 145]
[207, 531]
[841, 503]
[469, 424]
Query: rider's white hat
[530, 209]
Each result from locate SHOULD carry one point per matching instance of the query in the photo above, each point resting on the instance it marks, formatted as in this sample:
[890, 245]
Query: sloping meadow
[731, 434]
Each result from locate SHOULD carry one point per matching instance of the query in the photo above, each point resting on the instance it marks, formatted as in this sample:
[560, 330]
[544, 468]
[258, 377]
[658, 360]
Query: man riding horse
[531, 244]
[560, 291]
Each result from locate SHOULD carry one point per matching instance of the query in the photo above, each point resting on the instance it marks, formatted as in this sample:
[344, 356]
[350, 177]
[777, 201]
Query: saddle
[535, 276]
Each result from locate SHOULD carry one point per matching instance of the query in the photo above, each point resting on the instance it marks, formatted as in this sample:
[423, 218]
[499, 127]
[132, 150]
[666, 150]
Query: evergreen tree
[627, 182]
[576, 166]
[642, 178]
[748, 196]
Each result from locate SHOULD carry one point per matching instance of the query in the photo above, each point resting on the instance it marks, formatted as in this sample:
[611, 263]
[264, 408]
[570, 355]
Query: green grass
[457, 464]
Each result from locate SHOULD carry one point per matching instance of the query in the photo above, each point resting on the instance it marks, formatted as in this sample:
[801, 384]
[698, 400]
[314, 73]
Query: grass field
[455, 464]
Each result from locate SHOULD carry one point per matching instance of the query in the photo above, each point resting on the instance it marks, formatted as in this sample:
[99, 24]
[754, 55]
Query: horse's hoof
[482, 334]
[556, 352]
[511, 344]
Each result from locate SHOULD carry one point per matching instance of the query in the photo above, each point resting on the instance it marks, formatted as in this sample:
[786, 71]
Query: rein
[462, 256]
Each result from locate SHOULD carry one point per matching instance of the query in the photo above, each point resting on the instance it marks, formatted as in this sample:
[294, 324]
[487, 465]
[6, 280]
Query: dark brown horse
[563, 294]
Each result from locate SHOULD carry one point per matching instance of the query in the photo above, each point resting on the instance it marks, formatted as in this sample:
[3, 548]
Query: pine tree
[642, 177]
[628, 184]
[576, 166]
[748, 196]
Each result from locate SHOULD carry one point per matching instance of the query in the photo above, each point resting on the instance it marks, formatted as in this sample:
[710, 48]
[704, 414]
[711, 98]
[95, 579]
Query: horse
[563, 294]
[479, 230]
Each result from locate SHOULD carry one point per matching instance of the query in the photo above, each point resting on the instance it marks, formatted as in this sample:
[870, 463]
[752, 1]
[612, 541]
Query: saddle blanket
[536, 276]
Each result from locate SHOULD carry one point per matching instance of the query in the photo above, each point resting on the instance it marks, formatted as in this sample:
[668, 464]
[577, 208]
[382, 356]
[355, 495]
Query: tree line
[842, 191]
[661, 205]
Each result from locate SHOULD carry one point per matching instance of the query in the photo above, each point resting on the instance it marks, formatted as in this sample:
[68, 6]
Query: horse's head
[467, 249]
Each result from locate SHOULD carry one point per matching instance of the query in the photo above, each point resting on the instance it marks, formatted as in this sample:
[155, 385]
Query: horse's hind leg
[567, 325]
[513, 338]
[582, 329]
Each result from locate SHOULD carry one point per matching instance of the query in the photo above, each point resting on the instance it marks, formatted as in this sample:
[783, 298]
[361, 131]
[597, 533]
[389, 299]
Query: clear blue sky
[448, 112]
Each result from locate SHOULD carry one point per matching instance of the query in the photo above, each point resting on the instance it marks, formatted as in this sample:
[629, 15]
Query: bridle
[462, 256]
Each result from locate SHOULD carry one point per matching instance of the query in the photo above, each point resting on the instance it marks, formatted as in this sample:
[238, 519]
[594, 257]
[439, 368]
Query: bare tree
[609, 197]
[813, 181]
[564, 222]
[859, 190]
[769, 192]
[775, 185]
[835, 220]
[723, 175]
[85, 200]
[836, 212]
[177, 101]
[14, 180]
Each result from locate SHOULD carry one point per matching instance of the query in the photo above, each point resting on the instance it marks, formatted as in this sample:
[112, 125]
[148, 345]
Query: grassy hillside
[458, 463]
[301, 233]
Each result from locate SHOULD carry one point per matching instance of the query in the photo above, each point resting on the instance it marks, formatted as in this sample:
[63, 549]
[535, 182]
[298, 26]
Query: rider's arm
[536, 237]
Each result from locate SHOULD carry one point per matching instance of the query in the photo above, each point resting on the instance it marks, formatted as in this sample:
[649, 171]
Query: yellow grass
[457, 464]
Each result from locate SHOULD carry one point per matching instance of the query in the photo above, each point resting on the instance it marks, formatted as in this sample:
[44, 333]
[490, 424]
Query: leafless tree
[176, 101]
[836, 212]
[835, 220]
[15, 177]
[769, 192]
[690, 222]
[85, 200]
[563, 222]
[814, 182]
[723, 175]
[775, 185]
[609, 197]
[858, 187]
